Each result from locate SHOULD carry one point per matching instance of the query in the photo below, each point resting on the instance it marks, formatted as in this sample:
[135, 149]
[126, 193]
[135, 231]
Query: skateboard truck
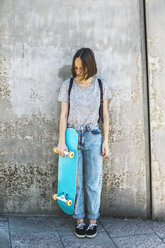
[69, 154]
[62, 198]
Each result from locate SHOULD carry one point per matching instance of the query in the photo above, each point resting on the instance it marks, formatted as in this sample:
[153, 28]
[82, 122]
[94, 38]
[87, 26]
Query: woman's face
[79, 70]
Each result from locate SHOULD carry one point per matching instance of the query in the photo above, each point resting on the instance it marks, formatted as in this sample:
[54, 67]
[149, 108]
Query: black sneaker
[91, 231]
[80, 230]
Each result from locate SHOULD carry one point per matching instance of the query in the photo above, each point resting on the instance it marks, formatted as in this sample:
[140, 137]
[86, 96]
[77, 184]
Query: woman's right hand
[61, 148]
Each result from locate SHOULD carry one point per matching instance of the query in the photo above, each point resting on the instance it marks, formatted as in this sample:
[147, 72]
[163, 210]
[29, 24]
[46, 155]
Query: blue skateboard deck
[67, 174]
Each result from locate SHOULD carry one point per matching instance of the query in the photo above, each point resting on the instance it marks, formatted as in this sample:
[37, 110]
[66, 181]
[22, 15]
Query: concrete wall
[156, 61]
[38, 40]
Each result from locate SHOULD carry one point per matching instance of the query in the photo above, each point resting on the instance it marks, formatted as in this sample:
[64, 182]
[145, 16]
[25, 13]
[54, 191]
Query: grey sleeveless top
[84, 101]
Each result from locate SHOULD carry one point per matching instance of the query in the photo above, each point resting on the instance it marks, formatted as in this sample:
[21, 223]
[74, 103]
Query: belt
[83, 128]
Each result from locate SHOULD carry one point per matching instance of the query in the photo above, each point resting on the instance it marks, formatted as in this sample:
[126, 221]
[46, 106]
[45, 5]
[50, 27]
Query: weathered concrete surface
[41, 232]
[38, 41]
[156, 57]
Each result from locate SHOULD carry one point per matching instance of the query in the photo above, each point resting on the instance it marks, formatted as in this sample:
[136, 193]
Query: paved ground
[50, 232]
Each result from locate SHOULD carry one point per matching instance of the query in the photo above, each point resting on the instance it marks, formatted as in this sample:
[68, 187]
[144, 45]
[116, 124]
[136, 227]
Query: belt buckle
[82, 128]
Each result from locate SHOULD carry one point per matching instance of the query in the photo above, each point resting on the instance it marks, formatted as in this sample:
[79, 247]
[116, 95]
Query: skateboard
[67, 173]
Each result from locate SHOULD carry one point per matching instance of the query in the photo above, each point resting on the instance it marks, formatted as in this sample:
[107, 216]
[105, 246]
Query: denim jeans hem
[80, 216]
[93, 216]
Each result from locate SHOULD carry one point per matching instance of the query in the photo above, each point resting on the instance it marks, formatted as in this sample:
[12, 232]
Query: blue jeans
[89, 159]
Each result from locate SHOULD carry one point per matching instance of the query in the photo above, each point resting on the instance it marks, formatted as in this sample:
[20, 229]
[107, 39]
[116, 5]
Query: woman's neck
[84, 83]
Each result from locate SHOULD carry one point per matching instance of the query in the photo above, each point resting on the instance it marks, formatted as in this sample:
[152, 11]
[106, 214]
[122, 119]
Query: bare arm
[105, 146]
[62, 127]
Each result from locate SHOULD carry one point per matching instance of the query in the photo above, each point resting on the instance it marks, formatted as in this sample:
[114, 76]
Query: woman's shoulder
[66, 82]
[106, 90]
[105, 85]
[102, 80]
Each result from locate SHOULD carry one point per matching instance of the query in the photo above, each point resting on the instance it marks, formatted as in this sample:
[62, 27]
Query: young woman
[82, 115]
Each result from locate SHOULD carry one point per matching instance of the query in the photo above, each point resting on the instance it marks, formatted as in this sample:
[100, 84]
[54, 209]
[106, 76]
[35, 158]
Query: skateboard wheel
[54, 197]
[55, 149]
[71, 154]
[69, 203]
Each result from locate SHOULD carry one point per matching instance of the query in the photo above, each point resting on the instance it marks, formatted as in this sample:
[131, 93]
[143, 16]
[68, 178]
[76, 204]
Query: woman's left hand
[105, 149]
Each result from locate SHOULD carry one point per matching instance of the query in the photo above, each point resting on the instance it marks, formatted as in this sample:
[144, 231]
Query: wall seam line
[145, 73]
[148, 102]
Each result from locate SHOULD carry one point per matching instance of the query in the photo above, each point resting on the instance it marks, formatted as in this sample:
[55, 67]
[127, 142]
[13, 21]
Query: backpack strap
[101, 100]
[69, 90]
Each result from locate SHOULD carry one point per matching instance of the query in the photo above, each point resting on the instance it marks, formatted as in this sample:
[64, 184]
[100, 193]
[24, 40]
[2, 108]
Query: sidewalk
[50, 232]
